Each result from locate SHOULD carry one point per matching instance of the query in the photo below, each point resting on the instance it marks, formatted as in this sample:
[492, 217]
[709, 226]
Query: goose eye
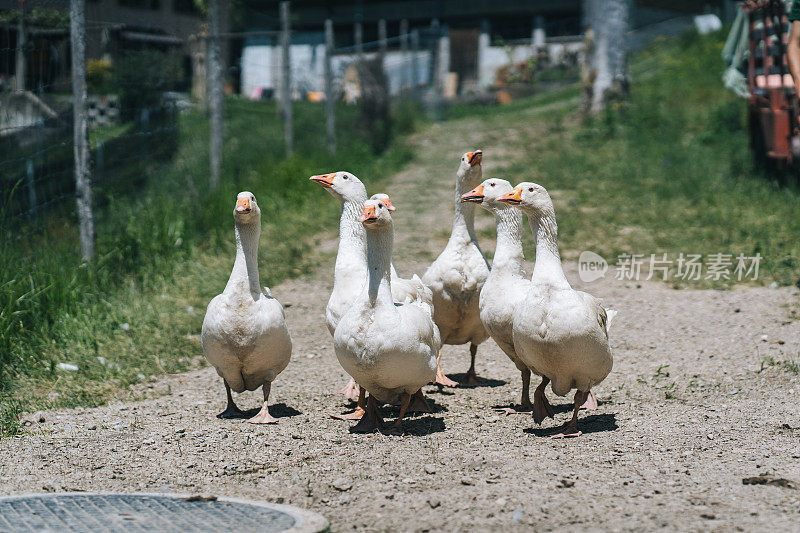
[380, 205]
[345, 177]
[530, 189]
[253, 198]
[491, 185]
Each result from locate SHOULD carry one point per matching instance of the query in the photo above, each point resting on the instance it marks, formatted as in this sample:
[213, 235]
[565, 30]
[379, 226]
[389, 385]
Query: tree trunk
[609, 21]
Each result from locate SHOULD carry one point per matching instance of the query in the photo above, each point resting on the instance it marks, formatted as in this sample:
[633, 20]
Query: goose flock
[388, 331]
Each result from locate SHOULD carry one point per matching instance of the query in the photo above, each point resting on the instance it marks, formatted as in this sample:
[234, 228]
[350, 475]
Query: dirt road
[698, 400]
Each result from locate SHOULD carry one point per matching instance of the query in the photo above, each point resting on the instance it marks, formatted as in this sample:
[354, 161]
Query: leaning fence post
[286, 73]
[215, 94]
[83, 186]
[31, 190]
[330, 112]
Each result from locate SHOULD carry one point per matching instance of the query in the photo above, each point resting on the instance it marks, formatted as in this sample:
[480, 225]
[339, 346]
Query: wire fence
[140, 79]
[133, 71]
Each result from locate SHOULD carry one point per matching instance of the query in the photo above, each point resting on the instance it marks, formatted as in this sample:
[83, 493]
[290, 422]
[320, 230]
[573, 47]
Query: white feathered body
[350, 271]
[389, 349]
[246, 340]
[563, 334]
[244, 335]
[456, 278]
[500, 297]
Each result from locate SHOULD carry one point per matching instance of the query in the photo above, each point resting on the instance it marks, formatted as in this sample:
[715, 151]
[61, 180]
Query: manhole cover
[149, 513]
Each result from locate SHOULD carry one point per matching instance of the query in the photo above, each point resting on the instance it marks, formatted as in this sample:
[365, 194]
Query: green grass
[164, 248]
[668, 171]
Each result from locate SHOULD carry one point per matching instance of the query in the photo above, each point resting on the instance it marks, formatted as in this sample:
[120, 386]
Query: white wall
[261, 67]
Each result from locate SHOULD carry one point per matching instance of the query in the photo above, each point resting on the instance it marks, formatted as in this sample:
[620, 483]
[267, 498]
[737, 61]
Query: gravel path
[693, 406]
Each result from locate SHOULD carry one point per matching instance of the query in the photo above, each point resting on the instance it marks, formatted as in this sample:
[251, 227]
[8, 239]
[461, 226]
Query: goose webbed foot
[472, 379]
[441, 379]
[358, 413]
[263, 417]
[418, 403]
[350, 391]
[571, 430]
[591, 402]
[372, 419]
[231, 411]
[397, 427]
[541, 406]
[525, 408]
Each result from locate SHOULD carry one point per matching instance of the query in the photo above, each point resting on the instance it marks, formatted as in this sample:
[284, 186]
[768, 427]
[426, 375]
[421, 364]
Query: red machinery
[773, 105]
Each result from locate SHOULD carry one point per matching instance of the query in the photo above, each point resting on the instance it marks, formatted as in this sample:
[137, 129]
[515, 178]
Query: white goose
[458, 274]
[560, 332]
[506, 285]
[389, 348]
[244, 333]
[351, 265]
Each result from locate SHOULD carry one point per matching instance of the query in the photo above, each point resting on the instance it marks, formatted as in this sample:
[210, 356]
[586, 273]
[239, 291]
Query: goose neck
[547, 268]
[350, 254]
[245, 267]
[464, 219]
[508, 255]
[379, 265]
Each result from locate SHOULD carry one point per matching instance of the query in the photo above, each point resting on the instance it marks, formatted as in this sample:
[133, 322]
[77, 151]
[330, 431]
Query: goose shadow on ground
[557, 408]
[278, 410]
[588, 424]
[423, 425]
[482, 382]
[394, 410]
[281, 410]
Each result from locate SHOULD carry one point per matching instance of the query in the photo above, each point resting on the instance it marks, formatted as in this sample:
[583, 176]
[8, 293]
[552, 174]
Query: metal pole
[215, 93]
[404, 80]
[83, 186]
[20, 70]
[330, 113]
[286, 73]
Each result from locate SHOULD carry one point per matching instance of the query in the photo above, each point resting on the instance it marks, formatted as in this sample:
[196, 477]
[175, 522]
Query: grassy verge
[163, 250]
[670, 171]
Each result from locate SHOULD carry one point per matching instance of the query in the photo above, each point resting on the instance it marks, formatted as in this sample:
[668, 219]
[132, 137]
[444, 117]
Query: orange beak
[475, 195]
[368, 215]
[326, 180]
[243, 205]
[389, 205]
[474, 158]
[512, 197]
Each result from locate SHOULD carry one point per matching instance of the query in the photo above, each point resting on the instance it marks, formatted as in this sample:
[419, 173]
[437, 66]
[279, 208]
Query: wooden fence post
[83, 185]
[330, 111]
[215, 94]
[286, 73]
